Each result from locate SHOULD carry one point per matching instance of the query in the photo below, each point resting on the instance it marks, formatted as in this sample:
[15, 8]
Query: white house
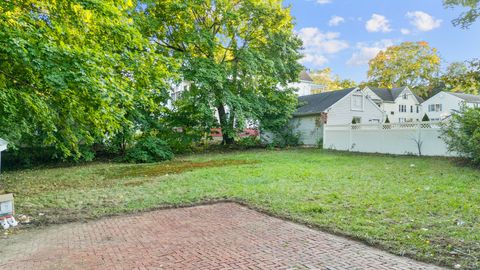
[333, 108]
[306, 86]
[443, 104]
[399, 104]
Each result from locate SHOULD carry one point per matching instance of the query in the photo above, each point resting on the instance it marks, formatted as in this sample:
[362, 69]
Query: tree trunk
[222, 115]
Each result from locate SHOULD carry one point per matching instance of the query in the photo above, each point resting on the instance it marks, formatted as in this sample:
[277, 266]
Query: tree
[72, 71]
[466, 18]
[413, 64]
[462, 133]
[462, 77]
[330, 81]
[425, 118]
[239, 54]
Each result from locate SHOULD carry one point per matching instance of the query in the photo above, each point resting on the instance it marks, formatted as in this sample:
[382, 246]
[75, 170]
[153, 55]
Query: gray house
[339, 107]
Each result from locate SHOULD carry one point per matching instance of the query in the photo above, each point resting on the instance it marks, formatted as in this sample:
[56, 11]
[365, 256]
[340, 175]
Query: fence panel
[398, 138]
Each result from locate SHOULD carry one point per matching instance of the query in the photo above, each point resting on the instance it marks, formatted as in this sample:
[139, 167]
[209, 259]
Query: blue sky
[345, 34]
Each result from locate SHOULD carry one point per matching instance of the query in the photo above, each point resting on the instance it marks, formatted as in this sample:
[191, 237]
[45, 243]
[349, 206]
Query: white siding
[305, 88]
[392, 109]
[310, 129]
[408, 116]
[342, 113]
[450, 104]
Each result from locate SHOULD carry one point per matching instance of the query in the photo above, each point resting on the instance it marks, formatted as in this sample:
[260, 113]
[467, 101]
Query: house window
[418, 108]
[392, 112]
[405, 96]
[375, 121]
[357, 102]
[435, 108]
[402, 108]
[411, 108]
[402, 120]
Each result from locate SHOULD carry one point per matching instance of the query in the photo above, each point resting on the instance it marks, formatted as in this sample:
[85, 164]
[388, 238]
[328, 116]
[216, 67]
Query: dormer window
[405, 96]
[357, 102]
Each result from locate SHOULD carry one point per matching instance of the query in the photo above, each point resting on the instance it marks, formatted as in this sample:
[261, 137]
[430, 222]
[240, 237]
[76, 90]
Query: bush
[149, 149]
[249, 142]
[425, 118]
[462, 133]
[283, 138]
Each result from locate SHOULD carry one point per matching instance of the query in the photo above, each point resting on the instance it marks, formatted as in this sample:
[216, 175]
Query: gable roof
[318, 103]
[304, 76]
[467, 97]
[391, 95]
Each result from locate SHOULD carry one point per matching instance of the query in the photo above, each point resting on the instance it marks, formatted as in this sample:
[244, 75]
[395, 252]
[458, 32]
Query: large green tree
[413, 64]
[71, 72]
[462, 77]
[468, 17]
[240, 55]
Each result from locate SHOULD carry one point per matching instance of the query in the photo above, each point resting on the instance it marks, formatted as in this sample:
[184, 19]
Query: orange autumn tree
[412, 64]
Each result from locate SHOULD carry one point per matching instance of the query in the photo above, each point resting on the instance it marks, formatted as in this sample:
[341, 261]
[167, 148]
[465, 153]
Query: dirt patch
[172, 168]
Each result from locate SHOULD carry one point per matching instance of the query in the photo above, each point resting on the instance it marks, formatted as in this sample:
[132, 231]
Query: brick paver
[220, 236]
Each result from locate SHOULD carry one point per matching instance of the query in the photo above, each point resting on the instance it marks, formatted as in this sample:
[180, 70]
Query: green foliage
[72, 71]
[466, 19]
[282, 138]
[387, 121]
[412, 64]
[462, 133]
[249, 142]
[149, 149]
[462, 77]
[425, 118]
[239, 54]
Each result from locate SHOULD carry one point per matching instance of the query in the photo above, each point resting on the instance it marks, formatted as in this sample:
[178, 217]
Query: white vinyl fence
[422, 138]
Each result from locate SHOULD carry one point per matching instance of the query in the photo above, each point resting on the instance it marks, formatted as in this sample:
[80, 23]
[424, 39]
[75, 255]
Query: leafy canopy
[239, 55]
[413, 64]
[70, 71]
[462, 77]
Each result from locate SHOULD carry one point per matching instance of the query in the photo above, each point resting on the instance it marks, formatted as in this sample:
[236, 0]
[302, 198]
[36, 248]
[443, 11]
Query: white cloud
[365, 52]
[423, 21]
[378, 23]
[317, 46]
[405, 31]
[322, 2]
[336, 20]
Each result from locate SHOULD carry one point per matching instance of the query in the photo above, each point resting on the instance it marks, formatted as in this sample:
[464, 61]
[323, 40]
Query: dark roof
[305, 77]
[467, 97]
[391, 94]
[313, 104]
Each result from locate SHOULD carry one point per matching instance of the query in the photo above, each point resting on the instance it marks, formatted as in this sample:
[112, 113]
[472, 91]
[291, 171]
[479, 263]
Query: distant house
[443, 104]
[306, 86]
[334, 108]
[399, 104]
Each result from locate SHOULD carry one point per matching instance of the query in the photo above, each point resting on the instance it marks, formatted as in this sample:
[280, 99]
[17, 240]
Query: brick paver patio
[220, 236]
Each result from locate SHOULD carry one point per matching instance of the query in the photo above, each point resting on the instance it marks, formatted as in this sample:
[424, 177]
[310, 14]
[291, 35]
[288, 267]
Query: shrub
[462, 133]
[249, 142]
[149, 149]
[425, 118]
[283, 138]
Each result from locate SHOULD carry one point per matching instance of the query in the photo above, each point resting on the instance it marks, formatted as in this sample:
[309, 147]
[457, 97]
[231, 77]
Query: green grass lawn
[426, 208]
